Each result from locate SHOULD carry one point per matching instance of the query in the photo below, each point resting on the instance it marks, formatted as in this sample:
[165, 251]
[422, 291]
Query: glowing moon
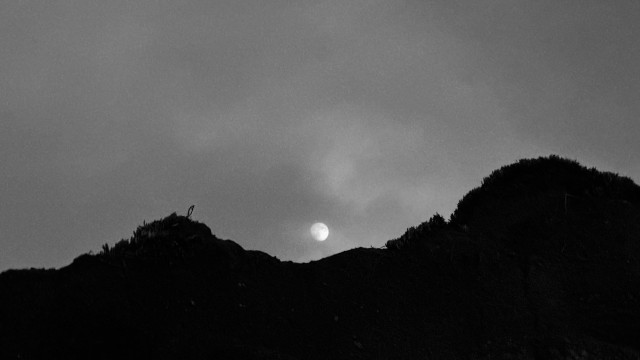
[319, 231]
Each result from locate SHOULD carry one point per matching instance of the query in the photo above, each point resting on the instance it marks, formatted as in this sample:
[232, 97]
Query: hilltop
[541, 261]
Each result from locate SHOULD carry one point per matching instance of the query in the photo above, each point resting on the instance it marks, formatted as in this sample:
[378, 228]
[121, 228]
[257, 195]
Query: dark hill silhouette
[540, 262]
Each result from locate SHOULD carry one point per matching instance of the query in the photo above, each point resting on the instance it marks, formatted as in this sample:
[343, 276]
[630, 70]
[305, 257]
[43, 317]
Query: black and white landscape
[383, 171]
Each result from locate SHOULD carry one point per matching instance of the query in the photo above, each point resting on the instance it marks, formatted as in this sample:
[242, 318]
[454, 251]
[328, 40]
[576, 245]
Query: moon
[319, 231]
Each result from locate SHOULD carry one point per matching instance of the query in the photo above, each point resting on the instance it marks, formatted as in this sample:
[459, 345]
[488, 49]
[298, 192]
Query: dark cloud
[367, 115]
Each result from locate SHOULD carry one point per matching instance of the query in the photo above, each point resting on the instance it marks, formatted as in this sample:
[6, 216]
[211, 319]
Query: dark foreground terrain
[540, 262]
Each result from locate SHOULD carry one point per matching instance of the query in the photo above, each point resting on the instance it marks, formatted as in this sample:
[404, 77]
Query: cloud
[368, 115]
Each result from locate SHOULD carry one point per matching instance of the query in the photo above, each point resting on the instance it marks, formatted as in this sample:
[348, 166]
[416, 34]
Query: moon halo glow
[319, 231]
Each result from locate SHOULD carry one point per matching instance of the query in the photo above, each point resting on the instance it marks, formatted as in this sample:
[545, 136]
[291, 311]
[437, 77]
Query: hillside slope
[540, 262]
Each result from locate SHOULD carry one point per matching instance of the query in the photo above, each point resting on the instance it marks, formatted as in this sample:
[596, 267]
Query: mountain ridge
[542, 261]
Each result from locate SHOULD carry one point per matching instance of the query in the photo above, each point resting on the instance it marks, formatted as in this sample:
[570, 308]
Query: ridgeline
[542, 261]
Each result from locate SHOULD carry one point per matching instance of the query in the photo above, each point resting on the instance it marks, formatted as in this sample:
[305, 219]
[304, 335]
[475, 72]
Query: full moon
[319, 231]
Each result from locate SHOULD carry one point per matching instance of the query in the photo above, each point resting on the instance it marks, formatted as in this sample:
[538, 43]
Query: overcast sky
[270, 115]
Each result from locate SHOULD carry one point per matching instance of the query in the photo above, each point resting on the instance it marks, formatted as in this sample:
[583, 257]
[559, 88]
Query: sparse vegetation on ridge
[416, 234]
[551, 175]
[166, 238]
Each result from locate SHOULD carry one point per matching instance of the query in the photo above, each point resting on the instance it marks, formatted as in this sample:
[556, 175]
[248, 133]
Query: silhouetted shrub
[166, 238]
[414, 235]
[528, 178]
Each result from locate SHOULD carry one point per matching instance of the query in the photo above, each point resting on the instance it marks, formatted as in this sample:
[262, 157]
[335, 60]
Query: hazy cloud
[367, 115]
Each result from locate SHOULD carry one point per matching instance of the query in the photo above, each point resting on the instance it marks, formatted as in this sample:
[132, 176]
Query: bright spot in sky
[319, 231]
